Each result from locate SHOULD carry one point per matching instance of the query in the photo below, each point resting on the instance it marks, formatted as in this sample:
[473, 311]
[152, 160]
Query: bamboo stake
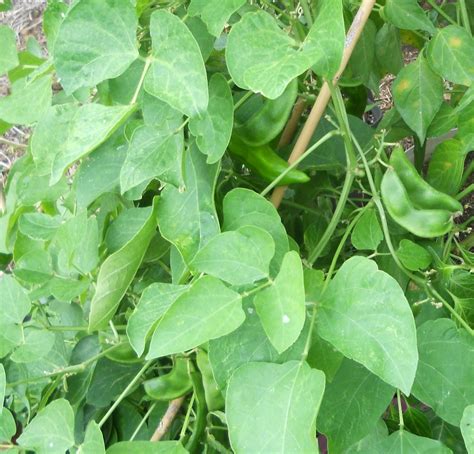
[324, 96]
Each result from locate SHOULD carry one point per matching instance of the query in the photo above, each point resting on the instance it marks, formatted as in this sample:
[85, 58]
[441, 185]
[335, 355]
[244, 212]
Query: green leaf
[388, 49]
[7, 426]
[445, 374]
[418, 95]
[154, 153]
[9, 57]
[202, 36]
[39, 226]
[366, 316]
[451, 53]
[3, 384]
[206, 311]
[352, 404]
[256, 66]
[362, 59]
[28, 101]
[214, 128]
[281, 307]
[369, 443]
[273, 408]
[52, 19]
[105, 51]
[51, 431]
[243, 207]
[403, 442]
[467, 428]
[117, 272]
[180, 82]
[14, 304]
[188, 218]
[109, 379]
[446, 166]
[413, 256]
[35, 344]
[154, 302]
[367, 233]
[72, 132]
[93, 440]
[445, 120]
[147, 447]
[239, 257]
[248, 343]
[408, 15]
[214, 13]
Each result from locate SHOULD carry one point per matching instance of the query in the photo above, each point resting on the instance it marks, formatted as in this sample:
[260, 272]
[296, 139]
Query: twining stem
[465, 192]
[125, 392]
[325, 94]
[307, 12]
[242, 100]
[301, 158]
[168, 418]
[400, 410]
[69, 370]
[465, 16]
[145, 417]
[142, 79]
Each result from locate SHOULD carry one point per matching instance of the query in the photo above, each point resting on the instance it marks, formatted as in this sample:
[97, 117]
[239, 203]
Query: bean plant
[216, 240]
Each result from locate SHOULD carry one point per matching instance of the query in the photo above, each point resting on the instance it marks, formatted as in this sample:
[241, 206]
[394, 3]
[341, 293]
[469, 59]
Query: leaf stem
[142, 79]
[125, 392]
[145, 417]
[465, 16]
[465, 192]
[307, 12]
[301, 158]
[400, 410]
[242, 100]
[435, 6]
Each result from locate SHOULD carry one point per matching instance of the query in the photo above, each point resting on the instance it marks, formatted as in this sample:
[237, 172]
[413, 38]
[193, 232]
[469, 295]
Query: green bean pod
[423, 223]
[172, 385]
[265, 162]
[421, 193]
[214, 397]
[263, 125]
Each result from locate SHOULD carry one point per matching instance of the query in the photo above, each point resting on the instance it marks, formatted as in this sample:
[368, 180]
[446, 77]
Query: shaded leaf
[408, 15]
[93, 440]
[413, 256]
[367, 233]
[445, 374]
[117, 272]
[214, 128]
[352, 404]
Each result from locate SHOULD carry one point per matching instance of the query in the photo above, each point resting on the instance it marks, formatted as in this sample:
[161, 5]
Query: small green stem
[142, 79]
[434, 5]
[465, 192]
[400, 410]
[301, 158]
[465, 16]
[125, 392]
[145, 417]
[307, 12]
[242, 100]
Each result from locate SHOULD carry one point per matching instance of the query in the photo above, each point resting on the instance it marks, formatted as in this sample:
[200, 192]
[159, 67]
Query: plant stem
[465, 16]
[125, 392]
[307, 12]
[243, 99]
[142, 79]
[435, 6]
[69, 370]
[145, 417]
[400, 410]
[465, 192]
[301, 158]
[322, 100]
